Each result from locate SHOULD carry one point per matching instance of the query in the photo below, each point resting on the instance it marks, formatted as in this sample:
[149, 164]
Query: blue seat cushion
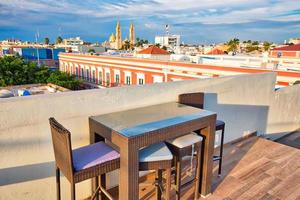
[219, 123]
[155, 152]
[92, 155]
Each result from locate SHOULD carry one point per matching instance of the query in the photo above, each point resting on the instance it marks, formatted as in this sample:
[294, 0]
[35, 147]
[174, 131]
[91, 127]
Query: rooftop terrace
[247, 103]
[254, 168]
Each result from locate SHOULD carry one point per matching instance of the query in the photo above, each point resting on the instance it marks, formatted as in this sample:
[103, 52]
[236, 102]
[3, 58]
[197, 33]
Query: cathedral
[115, 40]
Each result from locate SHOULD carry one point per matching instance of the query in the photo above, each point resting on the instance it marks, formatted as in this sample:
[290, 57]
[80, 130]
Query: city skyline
[208, 22]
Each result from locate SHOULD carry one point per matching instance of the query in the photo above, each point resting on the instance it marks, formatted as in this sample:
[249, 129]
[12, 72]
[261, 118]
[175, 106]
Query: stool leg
[201, 161]
[197, 174]
[72, 191]
[168, 184]
[57, 183]
[178, 178]
[175, 165]
[103, 184]
[221, 152]
[158, 183]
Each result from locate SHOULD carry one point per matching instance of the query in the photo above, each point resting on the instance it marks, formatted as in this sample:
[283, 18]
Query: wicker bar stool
[83, 163]
[157, 157]
[184, 146]
[197, 100]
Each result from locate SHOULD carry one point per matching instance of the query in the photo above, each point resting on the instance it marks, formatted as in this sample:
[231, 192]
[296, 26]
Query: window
[107, 78]
[117, 78]
[141, 81]
[128, 79]
[140, 78]
[87, 75]
[82, 73]
[100, 78]
[94, 76]
[76, 72]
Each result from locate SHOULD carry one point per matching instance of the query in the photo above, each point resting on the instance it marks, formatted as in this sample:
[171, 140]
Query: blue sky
[198, 21]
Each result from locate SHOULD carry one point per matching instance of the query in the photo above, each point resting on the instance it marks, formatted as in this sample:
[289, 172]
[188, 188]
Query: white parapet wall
[26, 154]
[284, 112]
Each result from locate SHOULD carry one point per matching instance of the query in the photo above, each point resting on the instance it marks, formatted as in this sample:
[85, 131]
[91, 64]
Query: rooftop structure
[154, 50]
[168, 40]
[31, 89]
[294, 40]
[73, 41]
[253, 167]
[216, 51]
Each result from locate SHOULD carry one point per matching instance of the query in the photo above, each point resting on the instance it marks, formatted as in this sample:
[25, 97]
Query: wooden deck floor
[254, 168]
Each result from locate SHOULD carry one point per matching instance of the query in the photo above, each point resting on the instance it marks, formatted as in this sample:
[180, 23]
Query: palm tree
[126, 45]
[267, 45]
[46, 40]
[59, 40]
[233, 44]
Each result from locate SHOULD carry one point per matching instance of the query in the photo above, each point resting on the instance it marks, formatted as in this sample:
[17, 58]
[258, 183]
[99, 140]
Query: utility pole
[37, 35]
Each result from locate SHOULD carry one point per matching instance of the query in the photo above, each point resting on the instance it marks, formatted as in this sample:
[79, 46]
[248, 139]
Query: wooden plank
[249, 172]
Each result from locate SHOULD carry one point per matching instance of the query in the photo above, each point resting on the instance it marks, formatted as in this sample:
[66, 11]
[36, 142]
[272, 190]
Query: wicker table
[132, 129]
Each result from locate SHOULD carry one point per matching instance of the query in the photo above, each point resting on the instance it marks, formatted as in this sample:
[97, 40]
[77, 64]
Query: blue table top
[137, 121]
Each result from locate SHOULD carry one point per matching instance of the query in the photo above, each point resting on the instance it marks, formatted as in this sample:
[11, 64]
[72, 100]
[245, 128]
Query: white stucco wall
[26, 154]
[284, 114]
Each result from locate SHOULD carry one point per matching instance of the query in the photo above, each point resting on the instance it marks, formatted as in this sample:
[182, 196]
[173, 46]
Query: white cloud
[174, 11]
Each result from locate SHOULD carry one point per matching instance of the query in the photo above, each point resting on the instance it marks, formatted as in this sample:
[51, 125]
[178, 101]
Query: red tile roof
[153, 50]
[216, 52]
[295, 47]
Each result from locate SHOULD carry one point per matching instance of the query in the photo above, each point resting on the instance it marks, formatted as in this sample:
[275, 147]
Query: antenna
[167, 29]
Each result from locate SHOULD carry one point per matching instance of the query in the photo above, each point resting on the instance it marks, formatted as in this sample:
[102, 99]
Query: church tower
[118, 36]
[131, 35]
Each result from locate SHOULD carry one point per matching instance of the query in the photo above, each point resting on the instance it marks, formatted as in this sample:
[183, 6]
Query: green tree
[64, 79]
[91, 51]
[164, 48]
[296, 82]
[140, 42]
[46, 40]
[14, 70]
[251, 48]
[126, 45]
[59, 40]
[266, 45]
[233, 44]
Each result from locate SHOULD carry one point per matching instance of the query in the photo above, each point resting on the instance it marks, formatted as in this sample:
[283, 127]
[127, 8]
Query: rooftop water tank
[6, 93]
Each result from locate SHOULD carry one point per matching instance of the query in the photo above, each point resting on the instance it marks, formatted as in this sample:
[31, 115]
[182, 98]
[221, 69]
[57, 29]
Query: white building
[73, 41]
[168, 40]
[294, 40]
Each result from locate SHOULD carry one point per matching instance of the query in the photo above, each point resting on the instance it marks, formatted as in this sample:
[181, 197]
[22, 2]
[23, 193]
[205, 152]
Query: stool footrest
[215, 158]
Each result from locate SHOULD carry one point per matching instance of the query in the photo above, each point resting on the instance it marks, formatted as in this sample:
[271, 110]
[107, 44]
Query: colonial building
[112, 71]
[291, 51]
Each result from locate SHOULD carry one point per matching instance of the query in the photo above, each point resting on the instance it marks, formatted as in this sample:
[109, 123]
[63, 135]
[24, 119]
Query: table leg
[129, 172]
[207, 168]
[94, 137]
